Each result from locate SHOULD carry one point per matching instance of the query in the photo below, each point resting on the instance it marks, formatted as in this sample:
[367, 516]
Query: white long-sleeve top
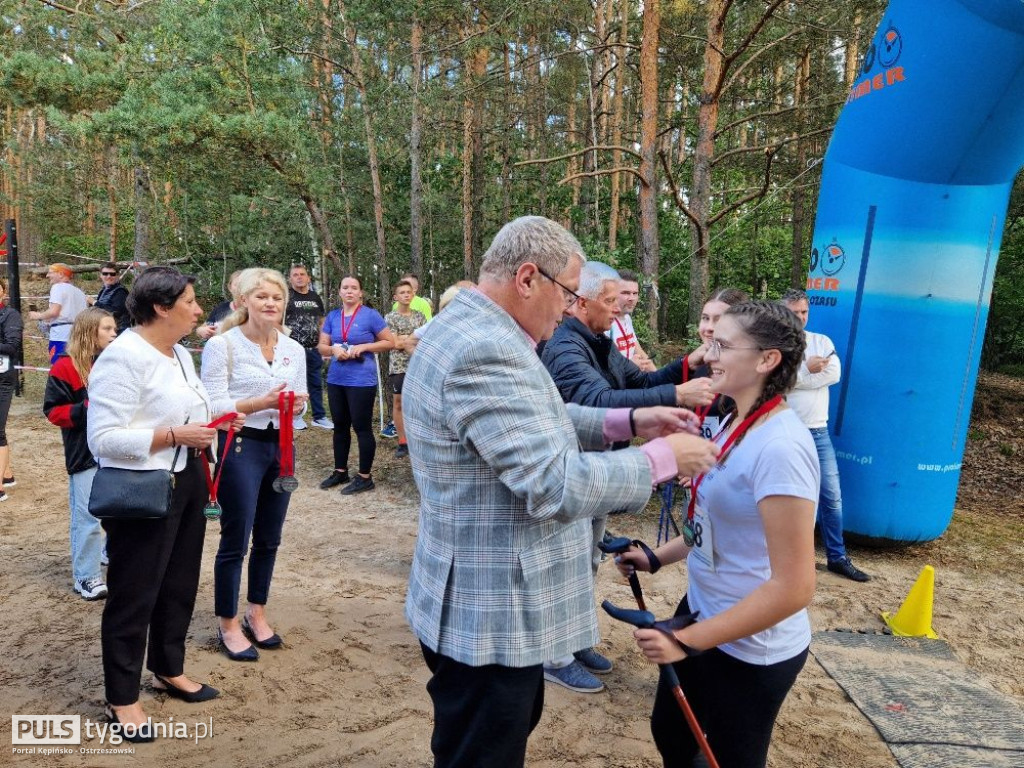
[135, 389]
[251, 375]
[809, 398]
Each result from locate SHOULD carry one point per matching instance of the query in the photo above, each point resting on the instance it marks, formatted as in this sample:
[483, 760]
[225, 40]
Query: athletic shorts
[395, 382]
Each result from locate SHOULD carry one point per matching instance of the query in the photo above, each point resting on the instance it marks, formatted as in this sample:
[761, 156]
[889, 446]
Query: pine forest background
[681, 138]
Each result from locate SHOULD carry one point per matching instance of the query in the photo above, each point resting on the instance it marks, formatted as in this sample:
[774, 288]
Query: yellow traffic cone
[914, 618]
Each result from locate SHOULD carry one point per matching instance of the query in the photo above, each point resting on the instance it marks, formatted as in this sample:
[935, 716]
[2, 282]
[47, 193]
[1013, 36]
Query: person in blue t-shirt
[351, 336]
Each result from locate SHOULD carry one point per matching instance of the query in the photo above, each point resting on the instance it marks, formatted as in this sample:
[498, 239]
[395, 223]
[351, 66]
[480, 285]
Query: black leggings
[352, 408]
[736, 704]
[6, 393]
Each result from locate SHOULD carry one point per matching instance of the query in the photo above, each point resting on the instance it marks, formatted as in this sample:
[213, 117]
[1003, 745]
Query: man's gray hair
[593, 276]
[792, 296]
[530, 238]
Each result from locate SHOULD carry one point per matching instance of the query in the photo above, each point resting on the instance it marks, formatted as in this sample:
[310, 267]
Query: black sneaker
[358, 485]
[335, 478]
[845, 568]
[401, 451]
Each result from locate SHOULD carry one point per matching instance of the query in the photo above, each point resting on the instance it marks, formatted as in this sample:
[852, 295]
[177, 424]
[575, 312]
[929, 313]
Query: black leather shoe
[845, 568]
[192, 697]
[333, 479]
[249, 654]
[143, 734]
[274, 641]
[358, 485]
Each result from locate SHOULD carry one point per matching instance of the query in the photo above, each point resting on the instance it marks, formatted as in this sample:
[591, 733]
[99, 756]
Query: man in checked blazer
[501, 577]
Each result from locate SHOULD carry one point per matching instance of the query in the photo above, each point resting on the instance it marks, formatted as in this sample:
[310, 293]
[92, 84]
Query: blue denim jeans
[830, 501]
[251, 510]
[315, 383]
[85, 533]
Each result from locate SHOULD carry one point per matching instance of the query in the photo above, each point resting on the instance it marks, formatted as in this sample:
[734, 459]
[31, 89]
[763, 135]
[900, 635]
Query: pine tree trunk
[648, 145]
[416, 181]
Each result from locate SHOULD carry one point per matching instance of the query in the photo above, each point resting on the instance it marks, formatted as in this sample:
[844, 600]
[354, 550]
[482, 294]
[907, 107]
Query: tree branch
[769, 157]
[600, 148]
[753, 57]
[604, 172]
[771, 148]
[677, 197]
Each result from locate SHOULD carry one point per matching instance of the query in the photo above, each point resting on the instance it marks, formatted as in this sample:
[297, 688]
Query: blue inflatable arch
[915, 188]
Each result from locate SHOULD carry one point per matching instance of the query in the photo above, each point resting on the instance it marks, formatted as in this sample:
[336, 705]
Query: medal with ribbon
[345, 329]
[286, 481]
[691, 532]
[212, 510]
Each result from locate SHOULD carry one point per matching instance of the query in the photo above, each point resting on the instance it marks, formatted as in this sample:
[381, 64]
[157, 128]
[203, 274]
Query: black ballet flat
[249, 654]
[142, 735]
[205, 693]
[274, 641]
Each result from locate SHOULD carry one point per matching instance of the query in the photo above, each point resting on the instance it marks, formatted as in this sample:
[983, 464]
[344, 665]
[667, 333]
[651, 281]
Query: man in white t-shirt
[66, 302]
[809, 399]
[621, 333]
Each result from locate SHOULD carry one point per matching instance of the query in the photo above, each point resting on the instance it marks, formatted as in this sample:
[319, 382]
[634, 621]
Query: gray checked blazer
[502, 573]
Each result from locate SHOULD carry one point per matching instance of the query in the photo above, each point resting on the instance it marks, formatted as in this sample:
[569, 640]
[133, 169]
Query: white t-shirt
[72, 301]
[776, 459]
[623, 336]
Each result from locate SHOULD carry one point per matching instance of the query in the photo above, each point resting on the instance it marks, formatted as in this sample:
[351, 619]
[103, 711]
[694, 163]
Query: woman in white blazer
[145, 402]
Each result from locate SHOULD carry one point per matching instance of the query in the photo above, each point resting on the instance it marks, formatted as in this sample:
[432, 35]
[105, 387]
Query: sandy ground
[348, 688]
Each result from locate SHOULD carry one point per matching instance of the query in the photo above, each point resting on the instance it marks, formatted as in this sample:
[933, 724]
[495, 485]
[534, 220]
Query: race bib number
[5, 363]
[703, 544]
[710, 427]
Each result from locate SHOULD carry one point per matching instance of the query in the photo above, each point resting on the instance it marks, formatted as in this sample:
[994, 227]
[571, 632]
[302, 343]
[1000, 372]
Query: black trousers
[482, 715]
[352, 409]
[736, 704]
[152, 581]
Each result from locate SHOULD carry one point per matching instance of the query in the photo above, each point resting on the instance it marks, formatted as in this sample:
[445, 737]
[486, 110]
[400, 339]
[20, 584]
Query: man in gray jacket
[501, 577]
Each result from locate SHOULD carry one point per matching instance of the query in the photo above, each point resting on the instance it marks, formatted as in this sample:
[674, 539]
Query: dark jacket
[588, 370]
[113, 300]
[65, 403]
[10, 339]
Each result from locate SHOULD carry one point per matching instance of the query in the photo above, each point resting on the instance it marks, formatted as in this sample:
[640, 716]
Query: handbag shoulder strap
[174, 461]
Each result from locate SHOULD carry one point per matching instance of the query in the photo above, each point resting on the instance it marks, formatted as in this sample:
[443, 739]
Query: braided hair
[772, 326]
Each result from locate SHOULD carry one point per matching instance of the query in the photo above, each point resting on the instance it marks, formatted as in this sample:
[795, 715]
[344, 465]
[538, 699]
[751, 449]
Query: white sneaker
[323, 423]
[298, 423]
[91, 589]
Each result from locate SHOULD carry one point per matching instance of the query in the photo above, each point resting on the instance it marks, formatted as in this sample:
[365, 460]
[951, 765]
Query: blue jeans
[315, 383]
[86, 533]
[830, 500]
[251, 508]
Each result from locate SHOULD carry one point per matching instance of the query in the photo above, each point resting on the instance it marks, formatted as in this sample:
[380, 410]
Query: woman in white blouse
[249, 368]
[146, 402]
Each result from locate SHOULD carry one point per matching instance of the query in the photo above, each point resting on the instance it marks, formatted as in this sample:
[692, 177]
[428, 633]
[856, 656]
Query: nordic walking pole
[644, 619]
[617, 546]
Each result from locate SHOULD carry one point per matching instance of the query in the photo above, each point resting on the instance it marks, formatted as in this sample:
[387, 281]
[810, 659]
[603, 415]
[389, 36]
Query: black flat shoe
[274, 641]
[249, 654]
[192, 697]
[142, 734]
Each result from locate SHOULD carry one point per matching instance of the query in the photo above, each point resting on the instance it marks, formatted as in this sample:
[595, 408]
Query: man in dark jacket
[588, 370]
[113, 295]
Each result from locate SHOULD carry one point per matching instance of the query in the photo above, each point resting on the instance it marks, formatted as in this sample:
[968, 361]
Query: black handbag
[133, 494]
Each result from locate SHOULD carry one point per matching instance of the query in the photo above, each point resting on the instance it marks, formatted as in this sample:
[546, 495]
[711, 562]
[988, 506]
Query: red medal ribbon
[286, 411]
[212, 480]
[346, 328]
[730, 441]
[703, 412]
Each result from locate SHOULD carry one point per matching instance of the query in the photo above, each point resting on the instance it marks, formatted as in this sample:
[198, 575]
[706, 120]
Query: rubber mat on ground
[929, 708]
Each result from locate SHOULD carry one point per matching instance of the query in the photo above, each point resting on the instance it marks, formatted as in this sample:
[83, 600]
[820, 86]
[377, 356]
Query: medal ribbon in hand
[285, 482]
[212, 509]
